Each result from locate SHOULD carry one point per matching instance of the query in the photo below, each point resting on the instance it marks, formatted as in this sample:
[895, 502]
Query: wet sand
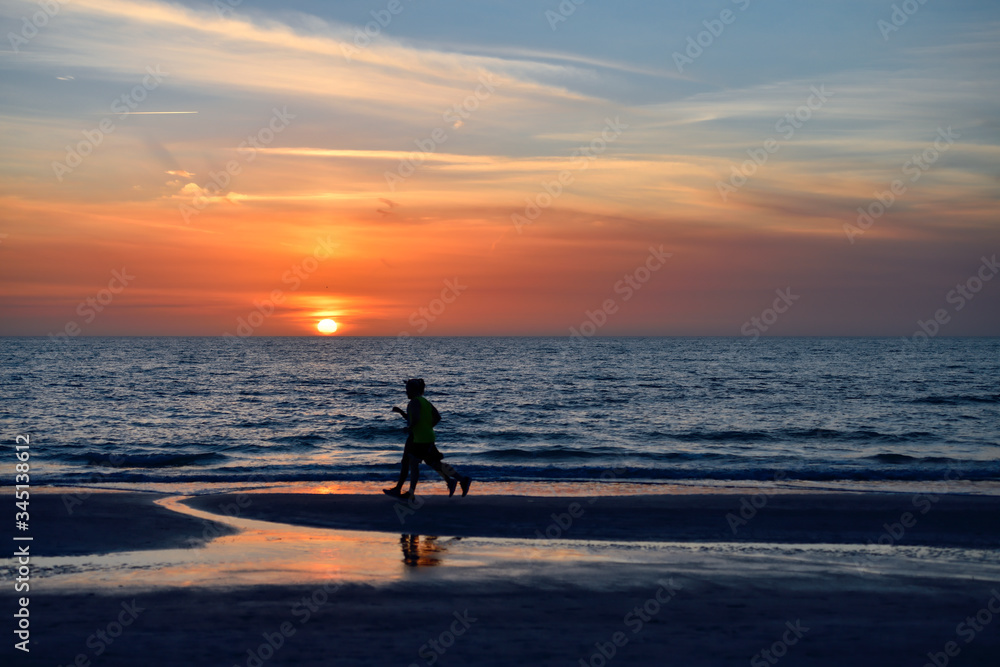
[833, 518]
[632, 580]
[78, 522]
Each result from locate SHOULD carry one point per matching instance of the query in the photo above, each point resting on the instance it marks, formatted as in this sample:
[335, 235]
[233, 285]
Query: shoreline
[75, 522]
[934, 520]
[558, 488]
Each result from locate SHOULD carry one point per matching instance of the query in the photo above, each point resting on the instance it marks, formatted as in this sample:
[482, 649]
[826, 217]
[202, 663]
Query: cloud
[382, 155]
[249, 52]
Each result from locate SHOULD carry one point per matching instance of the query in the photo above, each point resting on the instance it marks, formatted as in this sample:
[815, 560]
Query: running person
[421, 418]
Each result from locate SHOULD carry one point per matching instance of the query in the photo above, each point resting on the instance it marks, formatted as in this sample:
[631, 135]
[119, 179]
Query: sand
[629, 581]
[77, 522]
[937, 519]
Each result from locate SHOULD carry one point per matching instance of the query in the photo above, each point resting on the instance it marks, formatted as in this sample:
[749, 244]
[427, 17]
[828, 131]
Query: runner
[421, 418]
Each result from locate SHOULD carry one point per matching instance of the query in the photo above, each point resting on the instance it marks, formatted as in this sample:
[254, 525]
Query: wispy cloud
[382, 155]
[249, 52]
[152, 113]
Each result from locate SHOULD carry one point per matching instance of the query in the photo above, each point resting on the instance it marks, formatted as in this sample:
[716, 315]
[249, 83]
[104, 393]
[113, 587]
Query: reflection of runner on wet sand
[417, 552]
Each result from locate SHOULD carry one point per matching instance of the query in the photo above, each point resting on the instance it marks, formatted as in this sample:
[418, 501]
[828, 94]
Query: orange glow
[247, 216]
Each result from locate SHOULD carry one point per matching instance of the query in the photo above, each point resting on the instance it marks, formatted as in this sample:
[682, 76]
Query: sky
[422, 167]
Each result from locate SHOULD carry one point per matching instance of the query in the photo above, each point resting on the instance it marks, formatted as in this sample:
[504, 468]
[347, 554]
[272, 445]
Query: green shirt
[422, 427]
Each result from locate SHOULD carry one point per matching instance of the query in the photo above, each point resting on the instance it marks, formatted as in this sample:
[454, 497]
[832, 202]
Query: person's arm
[412, 414]
[435, 416]
[402, 413]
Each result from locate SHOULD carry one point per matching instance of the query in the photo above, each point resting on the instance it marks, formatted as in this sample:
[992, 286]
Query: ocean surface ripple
[139, 410]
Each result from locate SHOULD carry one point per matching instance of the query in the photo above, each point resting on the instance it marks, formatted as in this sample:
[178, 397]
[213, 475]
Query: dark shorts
[424, 451]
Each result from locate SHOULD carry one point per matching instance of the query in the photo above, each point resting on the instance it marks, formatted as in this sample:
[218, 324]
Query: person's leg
[447, 474]
[451, 477]
[404, 468]
[443, 469]
[435, 460]
[455, 477]
[414, 473]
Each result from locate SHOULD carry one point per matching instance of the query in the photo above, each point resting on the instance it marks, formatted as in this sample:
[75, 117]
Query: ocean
[804, 412]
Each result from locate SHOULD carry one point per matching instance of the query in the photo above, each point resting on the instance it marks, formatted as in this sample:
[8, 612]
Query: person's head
[414, 387]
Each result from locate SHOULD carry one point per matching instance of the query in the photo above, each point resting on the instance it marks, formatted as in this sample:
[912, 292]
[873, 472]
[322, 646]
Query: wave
[796, 435]
[527, 437]
[304, 440]
[544, 453]
[170, 460]
[700, 435]
[266, 422]
[957, 399]
[893, 458]
[609, 453]
[376, 431]
[510, 473]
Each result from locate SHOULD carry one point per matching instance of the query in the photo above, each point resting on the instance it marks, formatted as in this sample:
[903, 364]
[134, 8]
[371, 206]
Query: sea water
[810, 411]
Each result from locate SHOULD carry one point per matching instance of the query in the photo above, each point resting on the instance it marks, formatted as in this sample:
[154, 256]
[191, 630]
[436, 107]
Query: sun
[327, 326]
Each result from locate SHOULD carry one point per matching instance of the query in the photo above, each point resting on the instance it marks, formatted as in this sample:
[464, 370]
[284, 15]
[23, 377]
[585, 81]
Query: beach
[256, 578]
[701, 298]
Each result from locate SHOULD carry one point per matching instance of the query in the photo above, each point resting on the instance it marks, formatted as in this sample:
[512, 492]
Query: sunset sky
[501, 165]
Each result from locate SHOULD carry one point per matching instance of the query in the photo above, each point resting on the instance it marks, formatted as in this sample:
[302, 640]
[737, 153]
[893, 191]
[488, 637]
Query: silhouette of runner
[421, 418]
